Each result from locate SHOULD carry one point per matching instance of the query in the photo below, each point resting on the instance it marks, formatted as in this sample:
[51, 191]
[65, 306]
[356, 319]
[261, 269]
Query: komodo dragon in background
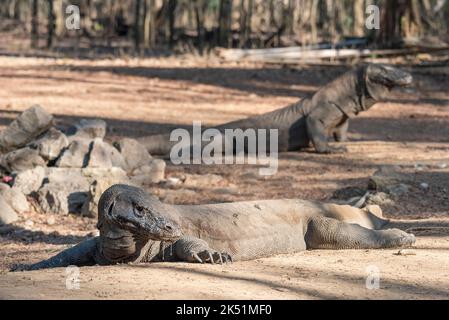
[136, 227]
[314, 119]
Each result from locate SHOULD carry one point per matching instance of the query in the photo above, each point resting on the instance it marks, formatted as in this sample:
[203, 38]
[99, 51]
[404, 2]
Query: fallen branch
[300, 55]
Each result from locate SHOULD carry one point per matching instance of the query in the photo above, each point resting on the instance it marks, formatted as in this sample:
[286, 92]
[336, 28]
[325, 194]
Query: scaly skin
[314, 119]
[135, 227]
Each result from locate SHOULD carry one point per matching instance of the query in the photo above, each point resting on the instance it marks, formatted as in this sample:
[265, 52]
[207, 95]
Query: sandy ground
[138, 97]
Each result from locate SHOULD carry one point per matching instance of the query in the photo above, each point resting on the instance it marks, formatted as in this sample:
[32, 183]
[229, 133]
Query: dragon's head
[381, 79]
[134, 210]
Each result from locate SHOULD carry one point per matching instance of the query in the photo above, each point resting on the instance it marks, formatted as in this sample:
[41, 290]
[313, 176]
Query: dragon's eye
[139, 210]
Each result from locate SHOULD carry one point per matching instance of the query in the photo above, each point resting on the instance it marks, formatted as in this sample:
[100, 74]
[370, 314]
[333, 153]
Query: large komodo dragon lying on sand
[135, 227]
[314, 119]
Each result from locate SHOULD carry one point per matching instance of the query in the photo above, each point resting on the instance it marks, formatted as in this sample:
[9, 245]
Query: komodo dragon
[314, 119]
[135, 227]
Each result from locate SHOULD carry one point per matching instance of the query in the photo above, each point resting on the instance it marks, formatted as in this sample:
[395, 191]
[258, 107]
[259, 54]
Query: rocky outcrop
[67, 173]
[29, 125]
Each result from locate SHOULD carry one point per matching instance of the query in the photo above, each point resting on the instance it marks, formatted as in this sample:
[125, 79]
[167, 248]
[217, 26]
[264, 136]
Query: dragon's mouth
[405, 81]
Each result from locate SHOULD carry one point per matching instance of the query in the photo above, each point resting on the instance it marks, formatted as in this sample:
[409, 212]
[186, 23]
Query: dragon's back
[249, 229]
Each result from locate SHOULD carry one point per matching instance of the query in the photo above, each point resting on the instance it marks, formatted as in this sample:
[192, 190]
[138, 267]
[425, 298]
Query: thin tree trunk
[331, 23]
[290, 17]
[249, 20]
[199, 17]
[242, 24]
[172, 4]
[137, 11]
[59, 18]
[314, 20]
[149, 25]
[35, 24]
[51, 24]
[110, 22]
[225, 20]
[359, 20]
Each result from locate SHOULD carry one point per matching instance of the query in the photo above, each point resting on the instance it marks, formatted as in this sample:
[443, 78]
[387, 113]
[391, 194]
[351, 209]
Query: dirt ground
[138, 97]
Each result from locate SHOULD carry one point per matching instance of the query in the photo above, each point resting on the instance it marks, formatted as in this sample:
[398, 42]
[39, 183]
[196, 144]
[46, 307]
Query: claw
[228, 257]
[198, 259]
[211, 257]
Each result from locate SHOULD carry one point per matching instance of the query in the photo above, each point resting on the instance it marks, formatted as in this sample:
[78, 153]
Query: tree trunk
[59, 17]
[149, 25]
[359, 20]
[51, 24]
[199, 18]
[225, 21]
[242, 24]
[249, 20]
[137, 12]
[314, 20]
[393, 12]
[35, 24]
[170, 31]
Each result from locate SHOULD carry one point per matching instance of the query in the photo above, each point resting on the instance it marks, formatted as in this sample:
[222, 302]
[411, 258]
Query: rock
[88, 129]
[60, 199]
[51, 220]
[424, 186]
[29, 180]
[4, 187]
[69, 176]
[15, 198]
[390, 181]
[172, 182]
[442, 165]
[65, 191]
[420, 167]
[398, 190]
[90, 207]
[379, 199]
[76, 155]
[115, 174]
[153, 173]
[21, 160]
[203, 181]
[98, 186]
[50, 144]
[134, 154]
[103, 155]
[7, 214]
[25, 128]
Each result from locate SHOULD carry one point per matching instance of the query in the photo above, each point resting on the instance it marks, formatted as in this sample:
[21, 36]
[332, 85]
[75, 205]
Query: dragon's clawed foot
[211, 256]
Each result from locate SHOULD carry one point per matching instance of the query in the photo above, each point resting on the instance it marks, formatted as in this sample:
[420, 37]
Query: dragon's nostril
[168, 227]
